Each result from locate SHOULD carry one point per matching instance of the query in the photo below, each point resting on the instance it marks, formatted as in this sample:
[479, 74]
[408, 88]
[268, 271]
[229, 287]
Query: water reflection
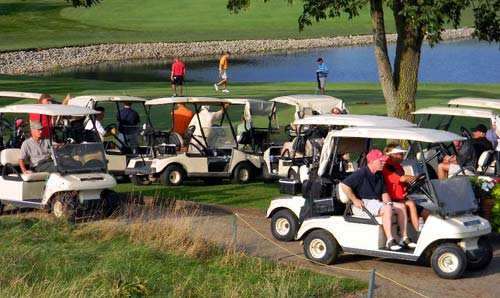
[466, 61]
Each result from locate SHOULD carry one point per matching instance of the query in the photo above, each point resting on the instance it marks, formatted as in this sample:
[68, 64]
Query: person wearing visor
[396, 181]
[366, 188]
[35, 151]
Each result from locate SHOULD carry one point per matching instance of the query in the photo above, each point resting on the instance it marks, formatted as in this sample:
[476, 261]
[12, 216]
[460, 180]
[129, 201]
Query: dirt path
[254, 236]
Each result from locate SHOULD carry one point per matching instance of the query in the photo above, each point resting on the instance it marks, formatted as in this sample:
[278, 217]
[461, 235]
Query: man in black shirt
[366, 187]
[127, 124]
[479, 141]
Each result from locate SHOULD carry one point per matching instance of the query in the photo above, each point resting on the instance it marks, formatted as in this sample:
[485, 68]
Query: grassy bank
[41, 258]
[53, 23]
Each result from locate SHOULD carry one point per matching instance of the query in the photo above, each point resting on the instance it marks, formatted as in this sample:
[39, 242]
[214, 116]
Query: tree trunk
[399, 86]
[382, 56]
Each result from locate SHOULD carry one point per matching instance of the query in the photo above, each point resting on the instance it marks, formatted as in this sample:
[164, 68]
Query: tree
[414, 20]
[84, 3]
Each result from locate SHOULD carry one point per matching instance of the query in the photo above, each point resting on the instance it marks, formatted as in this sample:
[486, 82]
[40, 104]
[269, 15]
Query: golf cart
[452, 119]
[212, 155]
[118, 150]
[296, 165]
[80, 184]
[452, 238]
[284, 163]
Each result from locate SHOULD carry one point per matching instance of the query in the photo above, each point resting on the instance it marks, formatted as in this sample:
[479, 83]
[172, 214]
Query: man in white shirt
[206, 119]
[98, 126]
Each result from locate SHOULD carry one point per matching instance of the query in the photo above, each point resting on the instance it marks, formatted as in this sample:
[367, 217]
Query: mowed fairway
[54, 23]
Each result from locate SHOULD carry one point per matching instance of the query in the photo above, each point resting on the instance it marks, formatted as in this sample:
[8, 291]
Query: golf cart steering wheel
[110, 127]
[416, 184]
[466, 133]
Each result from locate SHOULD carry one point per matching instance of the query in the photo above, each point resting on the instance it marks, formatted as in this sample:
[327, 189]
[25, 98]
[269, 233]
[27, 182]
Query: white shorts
[224, 74]
[372, 205]
[322, 82]
[455, 170]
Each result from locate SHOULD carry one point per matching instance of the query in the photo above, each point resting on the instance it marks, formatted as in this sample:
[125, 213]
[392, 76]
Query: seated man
[35, 151]
[366, 187]
[206, 119]
[465, 158]
[98, 126]
[479, 140]
[396, 182]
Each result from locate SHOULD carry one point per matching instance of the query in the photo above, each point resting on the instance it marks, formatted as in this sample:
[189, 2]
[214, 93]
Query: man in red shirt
[396, 181]
[44, 119]
[177, 75]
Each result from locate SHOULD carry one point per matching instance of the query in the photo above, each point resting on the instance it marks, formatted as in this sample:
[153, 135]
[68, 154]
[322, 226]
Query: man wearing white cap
[366, 188]
[396, 182]
[35, 151]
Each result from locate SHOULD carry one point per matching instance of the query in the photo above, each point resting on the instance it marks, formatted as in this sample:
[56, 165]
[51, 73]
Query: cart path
[254, 237]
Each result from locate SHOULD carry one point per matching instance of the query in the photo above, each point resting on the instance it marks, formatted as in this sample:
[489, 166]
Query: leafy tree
[84, 3]
[414, 20]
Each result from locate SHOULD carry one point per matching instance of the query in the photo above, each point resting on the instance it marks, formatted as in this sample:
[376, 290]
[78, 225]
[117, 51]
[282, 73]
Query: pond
[464, 61]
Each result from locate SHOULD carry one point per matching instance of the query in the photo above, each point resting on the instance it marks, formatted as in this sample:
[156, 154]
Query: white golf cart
[453, 119]
[211, 156]
[451, 239]
[118, 150]
[281, 163]
[81, 182]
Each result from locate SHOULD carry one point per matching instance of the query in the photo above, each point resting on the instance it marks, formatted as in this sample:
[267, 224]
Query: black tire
[64, 207]
[292, 174]
[110, 202]
[140, 180]
[320, 246]
[242, 174]
[173, 175]
[449, 261]
[284, 225]
[485, 256]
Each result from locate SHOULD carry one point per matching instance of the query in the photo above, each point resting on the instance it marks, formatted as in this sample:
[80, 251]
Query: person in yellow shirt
[223, 72]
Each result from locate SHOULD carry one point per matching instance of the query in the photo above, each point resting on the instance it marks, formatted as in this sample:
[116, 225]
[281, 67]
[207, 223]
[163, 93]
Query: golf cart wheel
[110, 202]
[292, 174]
[140, 180]
[64, 207]
[484, 258]
[284, 225]
[173, 175]
[242, 174]
[449, 261]
[320, 246]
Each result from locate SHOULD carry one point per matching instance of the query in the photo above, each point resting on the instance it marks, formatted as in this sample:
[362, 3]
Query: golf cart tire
[242, 174]
[485, 259]
[320, 246]
[140, 180]
[449, 261]
[292, 174]
[284, 225]
[111, 201]
[173, 175]
[64, 207]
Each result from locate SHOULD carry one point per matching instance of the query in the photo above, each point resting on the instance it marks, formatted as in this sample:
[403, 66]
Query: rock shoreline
[26, 62]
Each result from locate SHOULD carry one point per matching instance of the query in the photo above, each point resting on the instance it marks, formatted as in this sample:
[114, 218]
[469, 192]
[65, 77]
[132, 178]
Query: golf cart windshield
[80, 158]
[455, 195]
[219, 136]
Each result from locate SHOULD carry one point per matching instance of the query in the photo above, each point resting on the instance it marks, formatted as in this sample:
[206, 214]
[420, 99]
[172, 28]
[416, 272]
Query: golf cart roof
[254, 106]
[353, 120]
[15, 94]
[322, 104]
[399, 133]
[475, 102]
[84, 100]
[51, 110]
[198, 100]
[450, 111]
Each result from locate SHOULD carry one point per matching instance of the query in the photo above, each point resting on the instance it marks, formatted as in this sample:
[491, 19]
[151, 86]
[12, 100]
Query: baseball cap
[396, 150]
[36, 125]
[375, 154]
[481, 128]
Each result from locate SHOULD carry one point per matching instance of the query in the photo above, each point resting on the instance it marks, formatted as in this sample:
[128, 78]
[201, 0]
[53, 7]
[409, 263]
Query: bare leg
[412, 210]
[443, 169]
[400, 210]
[386, 213]
[174, 89]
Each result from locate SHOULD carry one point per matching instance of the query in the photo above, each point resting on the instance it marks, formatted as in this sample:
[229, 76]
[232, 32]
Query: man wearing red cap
[366, 187]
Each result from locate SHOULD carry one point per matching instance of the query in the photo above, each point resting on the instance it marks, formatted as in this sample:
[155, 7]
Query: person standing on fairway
[321, 74]
[223, 72]
[177, 76]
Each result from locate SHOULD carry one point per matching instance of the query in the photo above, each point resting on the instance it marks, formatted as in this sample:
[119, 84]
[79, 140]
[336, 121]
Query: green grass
[42, 258]
[53, 23]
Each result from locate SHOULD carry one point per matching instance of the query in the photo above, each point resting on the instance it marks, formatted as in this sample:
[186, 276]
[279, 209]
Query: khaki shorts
[372, 205]
[224, 75]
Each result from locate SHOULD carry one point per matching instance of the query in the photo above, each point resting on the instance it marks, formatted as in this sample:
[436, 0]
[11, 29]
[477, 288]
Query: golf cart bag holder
[321, 198]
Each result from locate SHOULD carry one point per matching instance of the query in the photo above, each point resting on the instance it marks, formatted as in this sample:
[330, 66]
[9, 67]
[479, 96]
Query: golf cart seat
[484, 163]
[9, 158]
